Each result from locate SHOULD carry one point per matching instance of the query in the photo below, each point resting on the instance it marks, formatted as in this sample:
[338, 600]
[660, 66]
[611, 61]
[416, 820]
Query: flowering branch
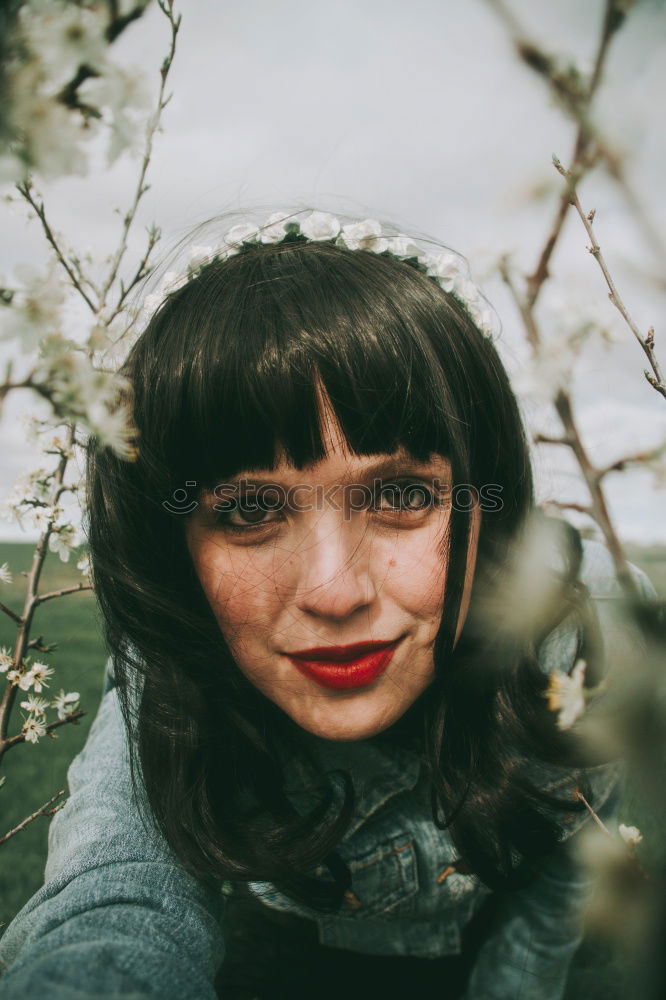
[577, 98]
[69, 94]
[42, 811]
[26, 190]
[72, 717]
[575, 95]
[166, 6]
[647, 343]
[31, 597]
[572, 439]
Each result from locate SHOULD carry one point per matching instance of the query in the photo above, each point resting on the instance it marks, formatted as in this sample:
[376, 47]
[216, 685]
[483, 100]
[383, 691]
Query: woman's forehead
[345, 467]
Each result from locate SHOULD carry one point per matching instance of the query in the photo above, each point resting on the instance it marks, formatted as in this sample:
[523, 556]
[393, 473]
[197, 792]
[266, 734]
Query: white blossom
[64, 538]
[28, 501]
[12, 168]
[5, 573]
[198, 255]
[172, 281]
[35, 309]
[6, 660]
[446, 267]
[38, 673]
[246, 232]
[66, 703]
[631, 835]
[84, 565]
[549, 369]
[566, 694]
[320, 226]
[33, 729]
[403, 246]
[365, 235]
[273, 230]
[482, 315]
[44, 517]
[35, 705]
[51, 134]
[117, 91]
[21, 678]
[58, 445]
[114, 427]
[64, 36]
[89, 394]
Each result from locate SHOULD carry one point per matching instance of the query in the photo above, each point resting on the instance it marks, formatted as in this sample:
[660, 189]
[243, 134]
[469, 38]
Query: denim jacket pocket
[382, 878]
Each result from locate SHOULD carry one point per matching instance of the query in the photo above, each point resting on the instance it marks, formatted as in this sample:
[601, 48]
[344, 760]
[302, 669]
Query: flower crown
[447, 268]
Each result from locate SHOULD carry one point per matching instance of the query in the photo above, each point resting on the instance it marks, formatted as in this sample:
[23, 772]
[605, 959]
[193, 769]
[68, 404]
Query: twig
[73, 717]
[142, 271]
[640, 458]
[30, 603]
[581, 508]
[40, 598]
[577, 101]
[598, 509]
[547, 439]
[151, 129]
[42, 811]
[12, 614]
[647, 342]
[524, 305]
[600, 823]
[41, 646]
[26, 190]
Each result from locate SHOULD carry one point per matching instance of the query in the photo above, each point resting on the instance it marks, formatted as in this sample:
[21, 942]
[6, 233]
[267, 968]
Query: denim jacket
[119, 915]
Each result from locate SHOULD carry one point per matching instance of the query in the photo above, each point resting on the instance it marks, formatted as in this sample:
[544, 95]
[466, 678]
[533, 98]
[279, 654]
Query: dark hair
[227, 370]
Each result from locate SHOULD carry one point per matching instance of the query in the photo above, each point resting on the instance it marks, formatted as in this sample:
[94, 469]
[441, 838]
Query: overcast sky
[418, 113]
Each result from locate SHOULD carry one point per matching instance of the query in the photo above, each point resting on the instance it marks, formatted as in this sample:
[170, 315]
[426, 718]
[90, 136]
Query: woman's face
[354, 556]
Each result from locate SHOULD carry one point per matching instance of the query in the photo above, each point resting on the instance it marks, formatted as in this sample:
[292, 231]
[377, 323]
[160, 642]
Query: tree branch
[151, 129]
[40, 598]
[30, 604]
[42, 811]
[20, 737]
[12, 614]
[576, 99]
[25, 189]
[598, 508]
[647, 342]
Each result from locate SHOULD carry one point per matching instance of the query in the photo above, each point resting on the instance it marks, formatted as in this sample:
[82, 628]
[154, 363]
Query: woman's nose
[336, 578]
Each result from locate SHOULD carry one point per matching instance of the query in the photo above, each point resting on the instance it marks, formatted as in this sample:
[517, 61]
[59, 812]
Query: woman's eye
[405, 496]
[247, 512]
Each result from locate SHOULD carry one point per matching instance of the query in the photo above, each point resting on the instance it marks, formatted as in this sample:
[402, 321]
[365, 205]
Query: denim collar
[379, 771]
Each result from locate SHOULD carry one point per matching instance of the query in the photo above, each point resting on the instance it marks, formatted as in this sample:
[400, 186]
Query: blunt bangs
[240, 352]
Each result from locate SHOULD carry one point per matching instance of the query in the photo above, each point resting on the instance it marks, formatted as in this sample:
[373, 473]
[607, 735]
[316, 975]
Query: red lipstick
[343, 667]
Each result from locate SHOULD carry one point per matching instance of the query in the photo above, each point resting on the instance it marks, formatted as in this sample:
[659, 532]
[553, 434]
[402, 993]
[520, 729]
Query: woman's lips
[343, 667]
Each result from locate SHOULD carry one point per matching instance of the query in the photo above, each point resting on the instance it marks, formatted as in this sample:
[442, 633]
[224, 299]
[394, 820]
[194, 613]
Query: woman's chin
[346, 717]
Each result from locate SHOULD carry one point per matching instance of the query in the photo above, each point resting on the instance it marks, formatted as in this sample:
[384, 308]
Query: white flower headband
[446, 268]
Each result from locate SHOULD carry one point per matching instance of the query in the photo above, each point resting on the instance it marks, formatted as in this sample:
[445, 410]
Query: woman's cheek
[415, 573]
[242, 590]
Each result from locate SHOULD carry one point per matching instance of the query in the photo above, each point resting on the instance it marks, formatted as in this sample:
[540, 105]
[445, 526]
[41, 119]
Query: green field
[35, 773]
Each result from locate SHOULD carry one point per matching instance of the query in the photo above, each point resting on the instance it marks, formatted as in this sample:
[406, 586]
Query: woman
[345, 771]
